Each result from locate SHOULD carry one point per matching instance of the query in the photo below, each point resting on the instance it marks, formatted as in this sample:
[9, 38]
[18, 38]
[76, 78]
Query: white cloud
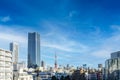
[108, 45]
[64, 44]
[115, 27]
[12, 37]
[5, 19]
[12, 34]
[57, 39]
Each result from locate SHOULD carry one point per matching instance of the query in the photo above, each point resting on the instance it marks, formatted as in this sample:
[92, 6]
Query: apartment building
[6, 70]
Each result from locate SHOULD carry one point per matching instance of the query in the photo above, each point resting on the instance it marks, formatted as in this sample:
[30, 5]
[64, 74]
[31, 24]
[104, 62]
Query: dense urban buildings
[6, 70]
[14, 49]
[112, 67]
[33, 50]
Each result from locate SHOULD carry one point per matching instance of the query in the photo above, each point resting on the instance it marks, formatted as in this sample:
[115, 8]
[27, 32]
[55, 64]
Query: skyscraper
[14, 50]
[33, 50]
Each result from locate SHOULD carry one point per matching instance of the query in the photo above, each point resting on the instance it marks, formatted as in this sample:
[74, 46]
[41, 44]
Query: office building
[112, 67]
[33, 50]
[14, 50]
[6, 70]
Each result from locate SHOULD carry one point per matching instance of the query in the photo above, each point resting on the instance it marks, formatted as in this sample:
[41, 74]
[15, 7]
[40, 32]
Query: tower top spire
[55, 60]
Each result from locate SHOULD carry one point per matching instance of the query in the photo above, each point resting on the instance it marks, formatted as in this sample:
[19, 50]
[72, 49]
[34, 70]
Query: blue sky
[79, 31]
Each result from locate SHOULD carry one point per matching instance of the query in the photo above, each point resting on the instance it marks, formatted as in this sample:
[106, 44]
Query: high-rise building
[33, 50]
[6, 70]
[14, 50]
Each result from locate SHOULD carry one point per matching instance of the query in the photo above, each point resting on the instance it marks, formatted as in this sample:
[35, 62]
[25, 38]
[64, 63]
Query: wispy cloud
[11, 35]
[62, 43]
[5, 19]
[115, 27]
[108, 45]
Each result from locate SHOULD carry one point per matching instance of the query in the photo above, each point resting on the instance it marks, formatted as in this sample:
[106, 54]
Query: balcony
[1, 54]
[2, 64]
[2, 77]
[8, 59]
[2, 70]
[8, 77]
[8, 55]
[8, 65]
[8, 70]
[1, 59]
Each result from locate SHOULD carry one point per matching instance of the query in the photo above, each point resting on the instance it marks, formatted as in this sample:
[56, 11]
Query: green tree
[54, 78]
[67, 78]
[62, 78]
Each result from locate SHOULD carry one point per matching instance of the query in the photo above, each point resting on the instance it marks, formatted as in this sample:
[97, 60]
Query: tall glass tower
[33, 50]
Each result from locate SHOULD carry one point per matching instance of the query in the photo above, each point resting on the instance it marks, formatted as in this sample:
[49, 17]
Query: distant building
[43, 64]
[84, 66]
[112, 67]
[68, 66]
[21, 65]
[14, 50]
[100, 66]
[33, 50]
[6, 70]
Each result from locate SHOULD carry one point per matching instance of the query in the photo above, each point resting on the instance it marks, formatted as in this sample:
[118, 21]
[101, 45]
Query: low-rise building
[22, 75]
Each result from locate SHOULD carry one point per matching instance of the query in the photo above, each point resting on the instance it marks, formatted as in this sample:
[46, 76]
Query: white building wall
[6, 70]
[24, 75]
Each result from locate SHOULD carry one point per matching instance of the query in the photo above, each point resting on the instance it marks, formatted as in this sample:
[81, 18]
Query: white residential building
[6, 69]
[24, 75]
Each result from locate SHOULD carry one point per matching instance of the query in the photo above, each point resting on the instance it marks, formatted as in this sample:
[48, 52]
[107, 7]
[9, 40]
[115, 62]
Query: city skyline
[79, 31]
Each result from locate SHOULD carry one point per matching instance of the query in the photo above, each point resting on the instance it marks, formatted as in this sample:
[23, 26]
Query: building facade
[6, 69]
[33, 50]
[115, 55]
[112, 67]
[14, 50]
[24, 75]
